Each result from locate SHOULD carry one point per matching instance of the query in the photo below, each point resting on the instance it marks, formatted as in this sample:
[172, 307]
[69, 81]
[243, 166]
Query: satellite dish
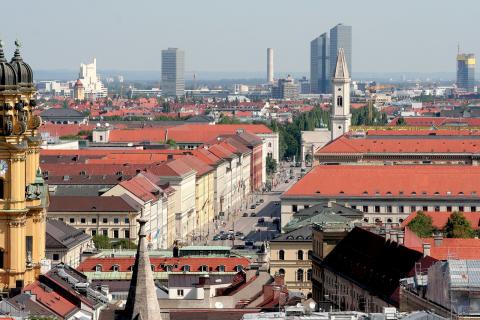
[312, 305]
[107, 124]
[218, 305]
[98, 124]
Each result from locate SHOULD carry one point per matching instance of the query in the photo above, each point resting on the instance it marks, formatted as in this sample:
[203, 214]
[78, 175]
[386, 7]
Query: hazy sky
[226, 35]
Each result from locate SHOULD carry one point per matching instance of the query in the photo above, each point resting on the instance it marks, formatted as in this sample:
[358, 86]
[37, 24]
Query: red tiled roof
[450, 248]
[89, 204]
[375, 180]
[346, 144]
[125, 264]
[439, 219]
[50, 299]
[410, 132]
[437, 121]
[142, 187]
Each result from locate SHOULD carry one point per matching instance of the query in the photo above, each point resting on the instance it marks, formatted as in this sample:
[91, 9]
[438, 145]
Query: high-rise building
[340, 115]
[286, 89]
[340, 37]
[23, 193]
[270, 65]
[173, 69]
[466, 72]
[92, 85]
[319, 64]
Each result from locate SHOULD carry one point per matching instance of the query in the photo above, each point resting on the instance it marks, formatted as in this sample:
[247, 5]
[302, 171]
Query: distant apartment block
[173, 69]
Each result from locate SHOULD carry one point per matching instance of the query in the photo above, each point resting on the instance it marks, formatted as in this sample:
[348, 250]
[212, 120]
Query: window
[281, 271]
[300, 275]
[72, 220]
[105, 220]
[238, 268]
[221, 268]
[94, 220]
[98, 268]
[115, 220]
[354, 206]
[94, 232]
[1, 258]
[127, 220]
[413, 208]
[168, 268]
[281, 255]
[105, 232]
[389, 209]
[339, 101]
[425, 208]
[56, 257]
[83, 220]
[203, 268]
[377, 209]
[306, 206]
[152, 267]
[365, 208]
[61, 219]
[180, 292]
[186, 268]
[437, 209]
[2, 187]
[401, 209]
[449, 208]
[300, 255]
[309, 274]
[461, 208]
[294, 208]
[473, 209]
[116, 268]
[127, 234]
[115, 234]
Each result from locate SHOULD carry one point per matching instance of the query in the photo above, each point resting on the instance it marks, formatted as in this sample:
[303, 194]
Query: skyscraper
[319, 64]
[173, 68]
[340, 37]
[466, 71]
[270, 65]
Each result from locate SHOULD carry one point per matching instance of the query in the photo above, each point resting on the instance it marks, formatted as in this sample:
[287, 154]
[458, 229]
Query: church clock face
[3, 167]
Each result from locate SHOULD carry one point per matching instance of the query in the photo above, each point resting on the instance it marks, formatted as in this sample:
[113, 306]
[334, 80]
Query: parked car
[286, 181]
[238, 233]
[261, 200]
[253, 214]
[224, 237]
[222, 232]
[253, 206]
[261, 220]
[245, 214]
[292, 177]
[249, 243]
[216, 237]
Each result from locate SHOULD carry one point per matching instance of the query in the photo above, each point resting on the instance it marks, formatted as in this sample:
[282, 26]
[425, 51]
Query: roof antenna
[458, 48]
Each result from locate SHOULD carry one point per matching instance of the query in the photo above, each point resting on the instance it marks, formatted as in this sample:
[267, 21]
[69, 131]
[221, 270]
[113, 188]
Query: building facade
[93, 87]
[320, 64]
[466, 72]
[341, 117]
[23, 196]
[173, 72]
[340, 37]
[286, 89]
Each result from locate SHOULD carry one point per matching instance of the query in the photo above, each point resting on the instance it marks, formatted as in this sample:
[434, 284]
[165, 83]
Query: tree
[271, 165]
[422, 225]
[458, 226]
[171, 143]
[124, 244]
[102, 242]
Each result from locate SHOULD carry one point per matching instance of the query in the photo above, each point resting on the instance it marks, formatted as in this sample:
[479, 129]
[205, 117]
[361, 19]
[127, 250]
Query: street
[257, 225]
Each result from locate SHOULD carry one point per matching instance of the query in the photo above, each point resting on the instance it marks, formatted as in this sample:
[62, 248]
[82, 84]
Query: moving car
[253, 214]
[261, 220]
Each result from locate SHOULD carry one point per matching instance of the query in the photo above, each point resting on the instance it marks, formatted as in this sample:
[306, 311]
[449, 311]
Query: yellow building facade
[23, 193]
[204, 202]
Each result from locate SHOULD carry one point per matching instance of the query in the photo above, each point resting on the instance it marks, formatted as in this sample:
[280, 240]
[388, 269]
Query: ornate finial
[18, 44]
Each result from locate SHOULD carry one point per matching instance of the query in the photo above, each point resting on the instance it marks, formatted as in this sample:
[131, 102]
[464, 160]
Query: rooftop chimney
[438, 238]
[401, 237]
[426, 249]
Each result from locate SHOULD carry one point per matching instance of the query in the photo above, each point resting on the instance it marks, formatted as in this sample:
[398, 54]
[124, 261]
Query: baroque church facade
[23, 192]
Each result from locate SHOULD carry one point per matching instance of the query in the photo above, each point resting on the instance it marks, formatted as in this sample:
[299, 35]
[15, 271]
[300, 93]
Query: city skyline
[381, 36]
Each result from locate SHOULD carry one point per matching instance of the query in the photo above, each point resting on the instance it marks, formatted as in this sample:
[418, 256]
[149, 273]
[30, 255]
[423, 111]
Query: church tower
[23, 193]
[340, 114]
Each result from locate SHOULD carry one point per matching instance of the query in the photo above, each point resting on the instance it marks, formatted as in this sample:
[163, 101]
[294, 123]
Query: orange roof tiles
[125, 264]
[50, 299]
[376, 180]
[439, 219]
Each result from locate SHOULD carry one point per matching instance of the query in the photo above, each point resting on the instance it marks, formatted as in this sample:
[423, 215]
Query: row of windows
[115, 234]
[400, 209]
[300, 255]
[169, 268]
[94, 220]
[299, 274]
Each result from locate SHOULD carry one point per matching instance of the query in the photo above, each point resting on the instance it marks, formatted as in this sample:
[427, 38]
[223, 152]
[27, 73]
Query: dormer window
[221, 268]
[152, 266]
[186, 268]
[116, 268]
[168, 268]
[98, 268]
[203, 268]
[239, 268]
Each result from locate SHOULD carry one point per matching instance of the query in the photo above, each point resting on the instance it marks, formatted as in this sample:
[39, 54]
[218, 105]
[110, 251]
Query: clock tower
[340, 115]
[23, 193]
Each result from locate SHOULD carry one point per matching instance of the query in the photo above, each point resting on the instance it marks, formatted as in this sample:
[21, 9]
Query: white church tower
[340, 115]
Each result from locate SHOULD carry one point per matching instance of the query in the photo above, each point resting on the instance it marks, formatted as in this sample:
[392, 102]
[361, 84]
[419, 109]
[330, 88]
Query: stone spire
[142, 300]
[341, 69]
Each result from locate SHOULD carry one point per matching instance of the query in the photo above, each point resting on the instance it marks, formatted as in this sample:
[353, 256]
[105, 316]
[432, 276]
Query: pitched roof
[143, 186]
[439, 219]
[89, 204]
[177, 264]
[302, 234]
[63, 236]
[341, 68]
[24, 302]
[379, 180]
[51, 300]
[61, 113]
